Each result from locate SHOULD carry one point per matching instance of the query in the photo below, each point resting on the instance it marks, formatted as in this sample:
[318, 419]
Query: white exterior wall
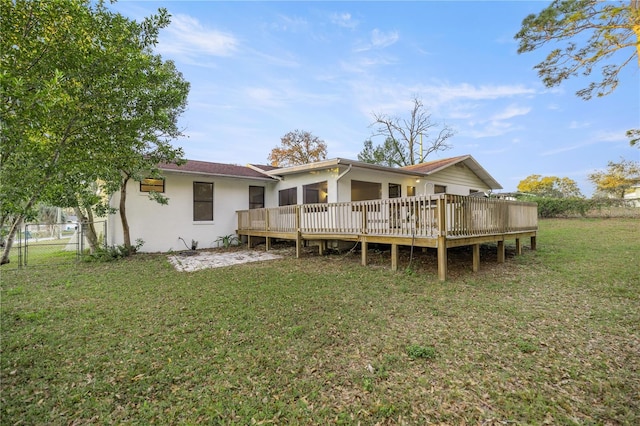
[458, 179]
[306, 178]
[340, 190]
[633, 194]
[160, 226]
[344, 185]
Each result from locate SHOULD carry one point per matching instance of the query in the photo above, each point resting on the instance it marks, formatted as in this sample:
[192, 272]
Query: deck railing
[425, 216]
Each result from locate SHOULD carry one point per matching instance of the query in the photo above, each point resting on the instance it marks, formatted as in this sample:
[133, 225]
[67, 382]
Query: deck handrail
[427, 216]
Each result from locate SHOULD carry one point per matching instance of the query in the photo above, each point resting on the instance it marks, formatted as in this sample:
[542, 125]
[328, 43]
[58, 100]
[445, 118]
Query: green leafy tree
[384, 154]
[296, 148]
[84, 100]
[407, 140]
[550, 186]
[611, 34]
[617, 178]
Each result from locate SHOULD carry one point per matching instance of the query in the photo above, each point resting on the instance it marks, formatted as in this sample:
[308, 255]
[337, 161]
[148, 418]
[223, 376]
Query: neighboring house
[633, 195]
[204, 197]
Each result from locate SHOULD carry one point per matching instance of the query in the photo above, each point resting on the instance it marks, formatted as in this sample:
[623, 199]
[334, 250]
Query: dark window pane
[256, 197]
[288, 197]
[439, 189]
[394, 190]
[202, 201]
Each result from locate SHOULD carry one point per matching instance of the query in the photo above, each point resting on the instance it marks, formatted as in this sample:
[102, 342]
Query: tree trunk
[123, 213]
[14, 228]
[88, 228]
[9, 242]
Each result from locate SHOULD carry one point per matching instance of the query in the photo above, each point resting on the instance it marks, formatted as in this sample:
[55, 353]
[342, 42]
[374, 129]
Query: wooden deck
[439, 221]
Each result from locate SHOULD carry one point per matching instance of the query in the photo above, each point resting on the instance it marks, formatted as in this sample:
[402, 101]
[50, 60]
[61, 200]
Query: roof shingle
[216, 169]
[431, 166]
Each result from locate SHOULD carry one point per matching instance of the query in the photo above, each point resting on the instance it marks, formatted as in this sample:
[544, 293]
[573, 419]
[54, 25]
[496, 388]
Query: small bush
[228, 240]
[418, 351]
[111, 253]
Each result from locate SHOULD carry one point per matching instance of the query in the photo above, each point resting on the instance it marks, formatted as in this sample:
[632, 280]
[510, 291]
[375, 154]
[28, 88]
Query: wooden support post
[442, 238]
[363, 251]
[268, 244]
[298, 245]
[394, 257]
[476, 257]
[322, 246]
[248, 241]
[533, 243]
[298, 234]
[501, 251]
[442, 258]
[518, 247]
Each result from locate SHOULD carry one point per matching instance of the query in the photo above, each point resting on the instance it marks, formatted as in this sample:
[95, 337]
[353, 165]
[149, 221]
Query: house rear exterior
[204, 197]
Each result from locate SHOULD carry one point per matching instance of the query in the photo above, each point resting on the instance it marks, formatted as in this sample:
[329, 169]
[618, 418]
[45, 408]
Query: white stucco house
[204, 196]
[633, 195]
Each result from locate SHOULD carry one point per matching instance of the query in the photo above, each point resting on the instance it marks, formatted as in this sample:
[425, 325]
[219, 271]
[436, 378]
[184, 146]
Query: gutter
[259, 170]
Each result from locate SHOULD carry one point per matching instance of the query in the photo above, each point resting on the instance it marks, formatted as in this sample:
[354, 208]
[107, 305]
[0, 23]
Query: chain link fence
[39, 244]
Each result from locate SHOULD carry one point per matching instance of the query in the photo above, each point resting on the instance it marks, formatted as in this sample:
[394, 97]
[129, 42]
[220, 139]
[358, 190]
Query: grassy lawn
[43, 252]
[550, 337]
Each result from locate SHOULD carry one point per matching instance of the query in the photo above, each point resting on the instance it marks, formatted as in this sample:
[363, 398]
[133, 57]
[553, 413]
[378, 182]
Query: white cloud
[379, 40]
[446, 92]
[491, 129]
[188, 39]
[579, 124]
[344, 20]
[291, 23]
[510, 112]
[286, 94]
[611, 136]
[459, 101]
[600, 137]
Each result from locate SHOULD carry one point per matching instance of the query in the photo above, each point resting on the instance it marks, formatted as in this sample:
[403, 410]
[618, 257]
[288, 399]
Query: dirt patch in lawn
[190, 261]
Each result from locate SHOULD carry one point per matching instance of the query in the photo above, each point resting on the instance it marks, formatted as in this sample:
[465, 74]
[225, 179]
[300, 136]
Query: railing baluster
[424, 216]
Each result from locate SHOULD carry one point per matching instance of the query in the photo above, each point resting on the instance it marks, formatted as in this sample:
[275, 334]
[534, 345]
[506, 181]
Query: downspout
[340, 176]
[345, 172]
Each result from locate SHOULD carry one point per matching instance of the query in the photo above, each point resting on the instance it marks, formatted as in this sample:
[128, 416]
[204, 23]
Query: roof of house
[335, 162]
[266, 172]
[216, 169]
[417, 170]
[435, 166]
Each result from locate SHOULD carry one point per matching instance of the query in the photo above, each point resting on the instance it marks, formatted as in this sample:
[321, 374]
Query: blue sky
[261, 69]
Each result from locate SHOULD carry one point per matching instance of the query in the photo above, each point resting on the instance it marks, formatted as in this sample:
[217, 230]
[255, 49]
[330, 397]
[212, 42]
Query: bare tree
[409, 140]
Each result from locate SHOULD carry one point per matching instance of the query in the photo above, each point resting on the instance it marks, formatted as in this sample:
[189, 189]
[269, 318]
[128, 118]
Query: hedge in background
[562, 207]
